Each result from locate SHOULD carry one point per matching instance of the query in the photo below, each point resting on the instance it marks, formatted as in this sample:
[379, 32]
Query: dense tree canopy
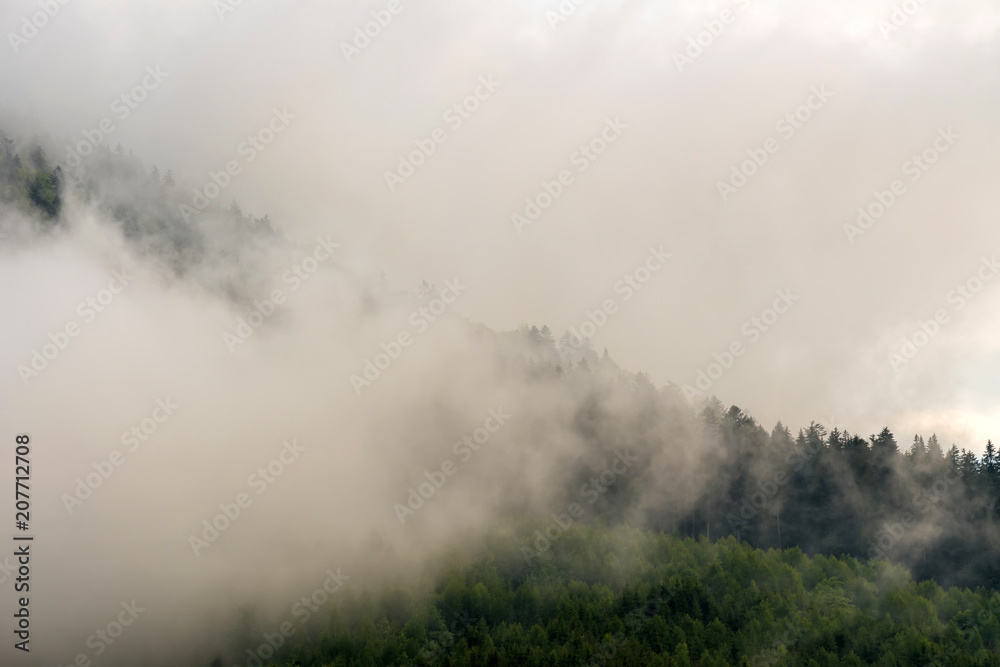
[624, 596]
[31, 184]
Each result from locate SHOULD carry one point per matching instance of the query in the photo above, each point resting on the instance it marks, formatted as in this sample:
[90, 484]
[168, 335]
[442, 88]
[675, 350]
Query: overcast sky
[689, 113]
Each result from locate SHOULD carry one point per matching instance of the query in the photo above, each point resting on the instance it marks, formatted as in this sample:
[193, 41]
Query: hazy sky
[643, 109]
[892, 90]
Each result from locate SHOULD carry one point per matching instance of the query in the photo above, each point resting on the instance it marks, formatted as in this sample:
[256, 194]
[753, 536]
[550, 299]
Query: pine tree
[934, 448]
[991, 464]
[884, 444]
[643, 385]
[546, 336]
[970, 465]
[953, 459]
[38, 159]
[836, 440]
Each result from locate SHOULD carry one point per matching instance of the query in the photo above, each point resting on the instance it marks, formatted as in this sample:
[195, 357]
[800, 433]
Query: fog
[558, 160]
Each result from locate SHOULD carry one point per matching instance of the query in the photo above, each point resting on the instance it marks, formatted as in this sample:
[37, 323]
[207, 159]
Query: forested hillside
[622, 596]
[702, 537]
[929, 505]
[219, 246]
[30, 184]
[932, 508]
